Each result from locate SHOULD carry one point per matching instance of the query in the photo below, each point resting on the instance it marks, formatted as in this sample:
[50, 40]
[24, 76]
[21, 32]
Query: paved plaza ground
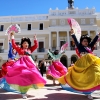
[49, 92]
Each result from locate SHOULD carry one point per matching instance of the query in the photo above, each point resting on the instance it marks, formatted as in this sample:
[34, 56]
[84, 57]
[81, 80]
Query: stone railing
[23, 18]
[67, 11]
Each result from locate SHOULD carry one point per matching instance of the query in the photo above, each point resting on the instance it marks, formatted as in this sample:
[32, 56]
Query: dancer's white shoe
[90, 97]
[24, 96]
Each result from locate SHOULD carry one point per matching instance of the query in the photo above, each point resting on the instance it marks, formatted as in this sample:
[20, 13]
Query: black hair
[56, 52]
[85, 37]
[25, 40]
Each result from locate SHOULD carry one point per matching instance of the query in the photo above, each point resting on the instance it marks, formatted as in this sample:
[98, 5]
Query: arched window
[64, 61]
[74, 58]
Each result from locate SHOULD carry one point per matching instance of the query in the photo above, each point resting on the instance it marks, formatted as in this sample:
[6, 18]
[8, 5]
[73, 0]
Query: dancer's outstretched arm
[94, 41]
[15, 46]
[74, 37]
[35, 46]
[51, 54]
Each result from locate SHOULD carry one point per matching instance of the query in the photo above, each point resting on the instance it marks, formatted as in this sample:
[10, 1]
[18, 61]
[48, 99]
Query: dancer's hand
[99, 34]
[71, 31]
[12, 33]
[35, 37]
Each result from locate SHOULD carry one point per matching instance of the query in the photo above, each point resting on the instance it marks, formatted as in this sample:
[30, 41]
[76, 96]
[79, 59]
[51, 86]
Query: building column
[89, 32]
[68, 40]
[50, 40]
[57, 40]
[96, 31]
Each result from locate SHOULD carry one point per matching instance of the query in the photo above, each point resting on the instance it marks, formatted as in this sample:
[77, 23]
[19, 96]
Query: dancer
[11, 59]
[57, 69]
[92, 49]
[23, 74]
[84, 75]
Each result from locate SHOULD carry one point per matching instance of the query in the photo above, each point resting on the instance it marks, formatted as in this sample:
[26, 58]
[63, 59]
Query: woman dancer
[84, 75]
[57, 69]
[23, 74]
[11, 59]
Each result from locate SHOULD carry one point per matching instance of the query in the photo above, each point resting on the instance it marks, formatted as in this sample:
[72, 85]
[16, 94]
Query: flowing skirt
[84, 76]
[21, 76]
[56, 70]
[3, 71]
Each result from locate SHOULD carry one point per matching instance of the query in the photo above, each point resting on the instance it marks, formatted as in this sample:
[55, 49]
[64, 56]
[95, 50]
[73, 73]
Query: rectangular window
[72, 44]
[1, 44]
[62, 42]
[41, 26]
[82, 21]
[1, 27]
[41, 47]
[91, 21]
[29, 27]
[1, 48]
[41, 44]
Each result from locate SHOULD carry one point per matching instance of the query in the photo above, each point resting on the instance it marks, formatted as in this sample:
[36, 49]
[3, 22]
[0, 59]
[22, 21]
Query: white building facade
[52, 31]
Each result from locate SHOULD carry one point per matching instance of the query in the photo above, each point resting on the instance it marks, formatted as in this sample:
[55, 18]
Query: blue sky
[26, 7]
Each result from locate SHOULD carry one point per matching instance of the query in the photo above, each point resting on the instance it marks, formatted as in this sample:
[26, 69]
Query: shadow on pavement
[63, 96]
[2, 91]
[13, 96]
[4, 95]
[10, 96]
[56, 89]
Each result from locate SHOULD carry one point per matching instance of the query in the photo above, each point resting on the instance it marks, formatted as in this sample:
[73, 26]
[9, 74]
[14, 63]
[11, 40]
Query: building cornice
[23, 18]
[26, 32]
[67, 28]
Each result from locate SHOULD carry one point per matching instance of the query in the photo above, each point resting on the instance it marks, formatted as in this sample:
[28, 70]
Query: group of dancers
[19, 75]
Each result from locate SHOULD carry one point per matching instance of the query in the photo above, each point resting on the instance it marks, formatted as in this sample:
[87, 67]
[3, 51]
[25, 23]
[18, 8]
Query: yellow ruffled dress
[84, 75]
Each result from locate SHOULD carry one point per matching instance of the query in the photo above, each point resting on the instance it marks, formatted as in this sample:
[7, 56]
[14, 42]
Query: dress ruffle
[23, 75]
[84, 75]
[3, 71]
[56, 70]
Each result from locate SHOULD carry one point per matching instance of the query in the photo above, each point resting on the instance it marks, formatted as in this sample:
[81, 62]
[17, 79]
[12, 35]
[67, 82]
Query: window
[1, 44]
[41, 44]
[53, 22]
[29, 27]
[41, 47]
[1, 27]
[41, 26]
[62, 22]
[72, 44]
[1, 48]
[62, 42]
[82, 21]
[91, 21]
